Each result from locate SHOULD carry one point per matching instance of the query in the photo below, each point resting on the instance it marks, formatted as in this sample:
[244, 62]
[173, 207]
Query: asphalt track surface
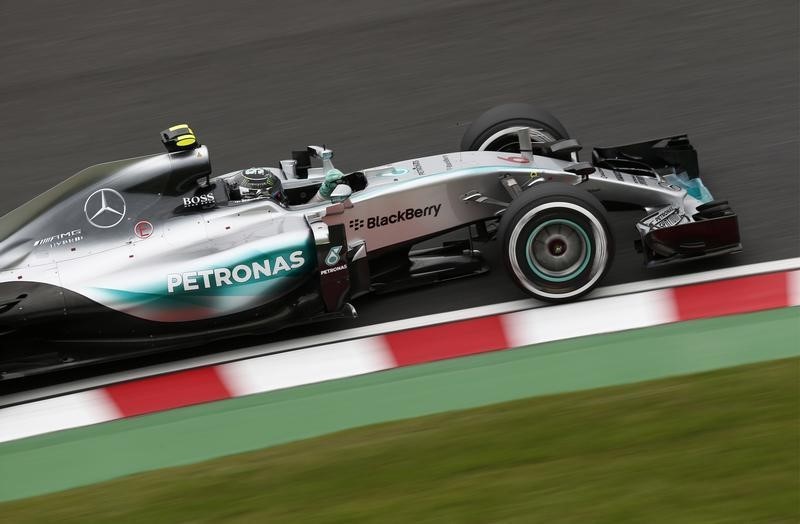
[85, 82]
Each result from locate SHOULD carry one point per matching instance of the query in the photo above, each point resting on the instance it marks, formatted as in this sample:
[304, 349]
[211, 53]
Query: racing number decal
[515, 159]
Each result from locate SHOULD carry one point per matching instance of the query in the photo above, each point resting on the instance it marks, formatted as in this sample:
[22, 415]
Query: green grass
[714, 447]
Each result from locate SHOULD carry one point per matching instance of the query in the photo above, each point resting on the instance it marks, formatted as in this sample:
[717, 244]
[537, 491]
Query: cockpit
[304, 179]
[256, 182]
[297, 182]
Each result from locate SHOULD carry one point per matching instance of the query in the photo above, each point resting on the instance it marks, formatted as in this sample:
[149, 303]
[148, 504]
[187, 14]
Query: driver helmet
[260, 181]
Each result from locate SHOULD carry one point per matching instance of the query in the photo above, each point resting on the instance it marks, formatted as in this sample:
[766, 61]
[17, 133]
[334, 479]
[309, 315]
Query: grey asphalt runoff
[92, 81]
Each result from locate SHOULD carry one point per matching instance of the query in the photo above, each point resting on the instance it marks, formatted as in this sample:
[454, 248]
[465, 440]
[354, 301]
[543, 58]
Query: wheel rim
[558, 250]
[598, 253]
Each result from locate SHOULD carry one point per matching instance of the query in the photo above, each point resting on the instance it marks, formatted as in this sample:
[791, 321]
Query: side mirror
[568, 146]
[341, 193]
[582, 169]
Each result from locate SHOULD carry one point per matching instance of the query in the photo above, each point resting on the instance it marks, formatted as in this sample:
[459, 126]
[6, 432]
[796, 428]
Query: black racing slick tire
[556, 242]
[494, 130]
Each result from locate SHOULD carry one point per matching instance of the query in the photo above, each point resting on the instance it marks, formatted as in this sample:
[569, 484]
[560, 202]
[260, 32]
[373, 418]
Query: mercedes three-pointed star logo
[105, 208]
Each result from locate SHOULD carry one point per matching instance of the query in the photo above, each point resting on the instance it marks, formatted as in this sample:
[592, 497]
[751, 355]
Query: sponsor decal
[669, 217]
[333, 269]
[418, 167]
[332, 258]
[199, 200]
[258, 172]
[639, 180]
[143, 229]
[61, 239]
[515, 159]
[240, 274]
[105, 208]
[402, 215]
[619, 176]
[448, 165]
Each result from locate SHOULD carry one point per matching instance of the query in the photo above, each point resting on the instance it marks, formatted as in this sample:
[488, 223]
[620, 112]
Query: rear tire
[556, 242]
[494, 129]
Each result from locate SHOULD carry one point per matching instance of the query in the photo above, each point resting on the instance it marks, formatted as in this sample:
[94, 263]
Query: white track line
[400, 325]
[296, 368]
[631, 311]
[54, 414]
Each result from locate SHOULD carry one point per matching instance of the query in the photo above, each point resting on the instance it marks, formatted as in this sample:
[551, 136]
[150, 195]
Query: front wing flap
[691, 240]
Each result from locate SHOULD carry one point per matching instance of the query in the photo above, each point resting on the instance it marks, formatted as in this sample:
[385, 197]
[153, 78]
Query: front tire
[556, 242]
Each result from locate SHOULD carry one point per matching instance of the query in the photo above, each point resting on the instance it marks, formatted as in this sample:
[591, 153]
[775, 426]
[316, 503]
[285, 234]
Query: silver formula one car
[154, 252]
